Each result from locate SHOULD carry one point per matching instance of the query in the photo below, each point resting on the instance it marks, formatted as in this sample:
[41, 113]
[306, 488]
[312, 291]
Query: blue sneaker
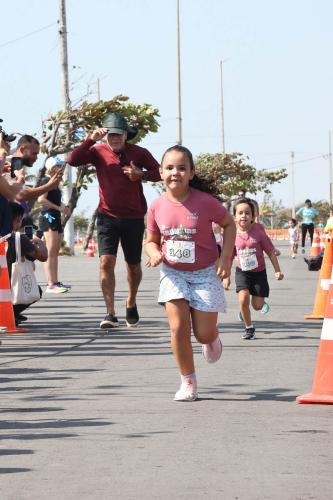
[265, 308]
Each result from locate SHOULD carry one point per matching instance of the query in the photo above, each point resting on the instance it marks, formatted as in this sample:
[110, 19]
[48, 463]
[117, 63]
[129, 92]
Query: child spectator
[293, 237]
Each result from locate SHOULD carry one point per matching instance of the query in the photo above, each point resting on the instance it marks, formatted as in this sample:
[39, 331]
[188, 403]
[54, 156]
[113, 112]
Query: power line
[27, 35]
[298, 161]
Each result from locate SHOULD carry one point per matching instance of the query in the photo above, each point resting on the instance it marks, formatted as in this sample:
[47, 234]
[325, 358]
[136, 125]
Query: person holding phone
[25, 155]
[51, 225]
[29, 231]
[8, 190]
[32, 249]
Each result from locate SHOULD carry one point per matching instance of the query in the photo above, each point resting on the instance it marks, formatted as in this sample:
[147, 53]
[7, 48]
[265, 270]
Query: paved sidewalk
[90, 415]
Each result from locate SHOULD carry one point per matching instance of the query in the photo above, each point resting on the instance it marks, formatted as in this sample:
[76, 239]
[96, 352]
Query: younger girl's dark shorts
[46, 223]
[254, 281]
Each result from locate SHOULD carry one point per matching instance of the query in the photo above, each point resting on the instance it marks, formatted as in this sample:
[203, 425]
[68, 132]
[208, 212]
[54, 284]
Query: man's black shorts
[255, 282]
[129, 232]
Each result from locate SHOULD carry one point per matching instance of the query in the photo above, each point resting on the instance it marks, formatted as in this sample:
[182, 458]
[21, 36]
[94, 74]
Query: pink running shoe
[212, 352]
[187, 391]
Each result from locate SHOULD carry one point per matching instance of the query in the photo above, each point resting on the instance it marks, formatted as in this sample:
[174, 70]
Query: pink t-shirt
[250, 248]
[185, 228]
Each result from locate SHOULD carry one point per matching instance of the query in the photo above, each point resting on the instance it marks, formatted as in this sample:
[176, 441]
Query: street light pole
[293, 209]
[98, 84]
[179, 105]
[64, 55]
[66, 104]
[222, 107]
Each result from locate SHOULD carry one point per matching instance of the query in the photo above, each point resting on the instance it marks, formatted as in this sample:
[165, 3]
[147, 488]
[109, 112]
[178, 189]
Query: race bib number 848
[180, 251]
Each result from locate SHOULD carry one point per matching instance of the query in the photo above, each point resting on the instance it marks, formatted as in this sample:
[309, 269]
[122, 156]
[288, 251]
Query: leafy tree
[266, 211]
[230, 172]
[282, 214]
[81, 222]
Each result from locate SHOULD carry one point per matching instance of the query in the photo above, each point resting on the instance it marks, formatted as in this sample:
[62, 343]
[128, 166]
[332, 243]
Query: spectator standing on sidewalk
[50, 223]
[34, 249]
[121, 168]
[306, 214]
[27, 150]
[7, 190]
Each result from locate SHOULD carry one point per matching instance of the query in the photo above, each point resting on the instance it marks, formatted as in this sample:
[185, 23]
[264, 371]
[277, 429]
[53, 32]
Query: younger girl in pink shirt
[251, 278]
[180, 236]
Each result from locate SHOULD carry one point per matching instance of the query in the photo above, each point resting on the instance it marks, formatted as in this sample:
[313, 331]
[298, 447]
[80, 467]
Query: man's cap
[53, 161]
[116, 124]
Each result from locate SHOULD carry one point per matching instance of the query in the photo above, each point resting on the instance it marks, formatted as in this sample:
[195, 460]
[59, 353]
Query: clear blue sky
[278, 74]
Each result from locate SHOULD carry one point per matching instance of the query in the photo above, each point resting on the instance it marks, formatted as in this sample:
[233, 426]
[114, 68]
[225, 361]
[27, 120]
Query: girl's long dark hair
[207, 185]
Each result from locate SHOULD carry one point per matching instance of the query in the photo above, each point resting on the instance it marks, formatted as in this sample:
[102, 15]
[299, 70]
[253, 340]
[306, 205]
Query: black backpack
[314, 263]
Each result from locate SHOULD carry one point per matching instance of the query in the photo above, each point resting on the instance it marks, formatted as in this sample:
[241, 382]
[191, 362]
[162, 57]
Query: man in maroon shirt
[121, 167]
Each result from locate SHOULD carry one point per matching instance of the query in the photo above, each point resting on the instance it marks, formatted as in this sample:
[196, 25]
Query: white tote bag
[24, 284]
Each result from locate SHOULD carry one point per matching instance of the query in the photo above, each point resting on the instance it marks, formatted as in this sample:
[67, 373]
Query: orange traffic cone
[323, 283]
[91, 249]
[322, 241]
[7, 319]
[322, 389]
[315, 247]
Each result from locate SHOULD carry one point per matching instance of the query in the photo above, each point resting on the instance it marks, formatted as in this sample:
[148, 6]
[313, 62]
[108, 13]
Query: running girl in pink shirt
[251, 277]
[180, 236]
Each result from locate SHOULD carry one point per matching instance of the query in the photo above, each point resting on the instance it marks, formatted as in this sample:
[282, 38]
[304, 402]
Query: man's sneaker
[240, 316]
[56, 289]
[303, 250]
[249, 333]
[59, 283]
[110, 321]
[212, 352]
[132, 316]
[265, 308]
[187, 391]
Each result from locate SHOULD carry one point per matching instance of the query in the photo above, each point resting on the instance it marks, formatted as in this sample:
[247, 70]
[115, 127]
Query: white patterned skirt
[202, 289]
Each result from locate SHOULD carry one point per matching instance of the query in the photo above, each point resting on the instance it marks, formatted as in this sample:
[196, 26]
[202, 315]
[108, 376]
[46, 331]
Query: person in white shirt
[293, 237]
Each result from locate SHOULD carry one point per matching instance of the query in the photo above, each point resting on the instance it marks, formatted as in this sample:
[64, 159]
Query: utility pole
[330, 165]
[66, 104]
[98, 83]
[179, 105]
[293, 209]
[222, 107]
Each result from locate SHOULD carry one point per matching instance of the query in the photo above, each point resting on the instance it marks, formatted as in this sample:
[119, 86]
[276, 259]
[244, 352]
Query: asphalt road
[90, 415]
